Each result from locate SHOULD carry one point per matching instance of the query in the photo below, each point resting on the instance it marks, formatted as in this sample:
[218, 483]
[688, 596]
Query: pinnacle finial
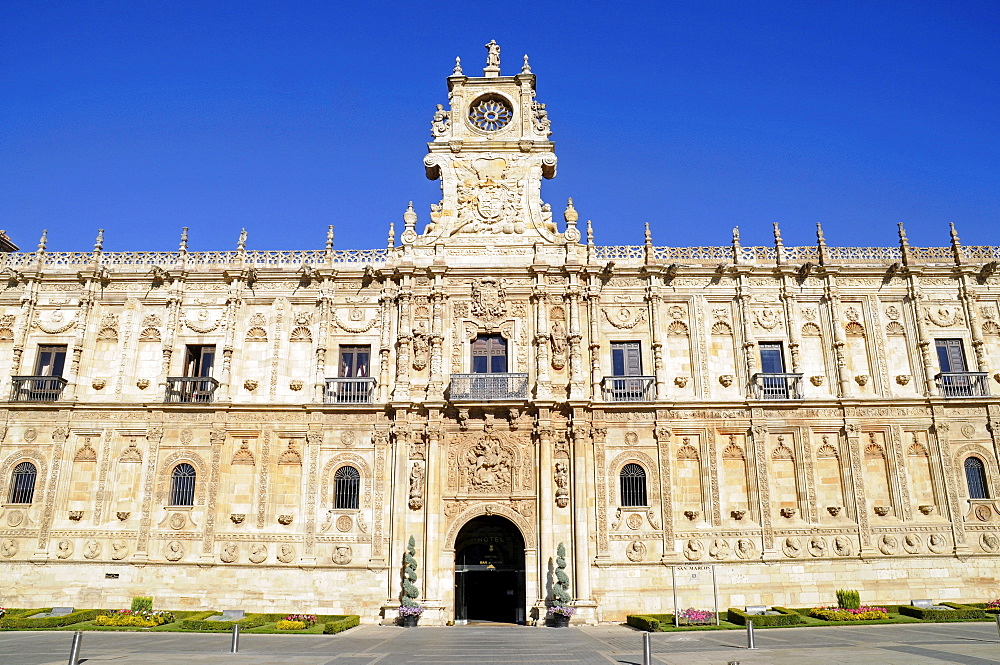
[458, 67]
[820, 239]
[526, 69]
[184, 239]
[590, 233]
[43, 241]
[649, 236]
[736, 235]
[954, 233]
[571, 215]
[777, 234]
[99, 243]
[902, 233]
[242, 244]
[410, 216]
[329, 237]
[392, 235]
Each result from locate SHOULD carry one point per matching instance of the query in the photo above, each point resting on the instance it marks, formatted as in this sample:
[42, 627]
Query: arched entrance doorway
[489, 571]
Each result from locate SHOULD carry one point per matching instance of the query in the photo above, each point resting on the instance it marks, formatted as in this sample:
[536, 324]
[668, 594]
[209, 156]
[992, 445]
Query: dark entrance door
[489, 571]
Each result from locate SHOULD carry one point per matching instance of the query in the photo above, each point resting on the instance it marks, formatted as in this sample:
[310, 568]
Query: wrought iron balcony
[190, 389]
[356, 390]
[777, 386]
[36, 388]
[963, 384]
[488, 387]
[629, 388]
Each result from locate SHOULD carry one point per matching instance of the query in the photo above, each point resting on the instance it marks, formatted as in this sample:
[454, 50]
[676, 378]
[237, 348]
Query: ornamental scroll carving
[365, 327]
[489, 298]
[489, 464]
[943, 316]
[622, 318]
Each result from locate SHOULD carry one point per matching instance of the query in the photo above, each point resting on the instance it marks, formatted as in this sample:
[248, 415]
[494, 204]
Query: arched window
[22, 483]
[975, 476]
[633, 484]
[182, 480]
[346, 482]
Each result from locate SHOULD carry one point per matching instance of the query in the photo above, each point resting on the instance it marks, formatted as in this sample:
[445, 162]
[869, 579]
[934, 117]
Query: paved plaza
[925, 644]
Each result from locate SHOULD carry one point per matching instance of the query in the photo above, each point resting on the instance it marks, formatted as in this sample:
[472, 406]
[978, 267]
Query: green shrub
[848, 599]
[957, 613]
[24, 622]
[198, 622]
[142, 604]
[648, 622]
[786, 617]
[341, 624]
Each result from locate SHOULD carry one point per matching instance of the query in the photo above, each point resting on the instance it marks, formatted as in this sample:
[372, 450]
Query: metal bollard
[646, 657]
[74, 650]
[750, 644]
[234, 646]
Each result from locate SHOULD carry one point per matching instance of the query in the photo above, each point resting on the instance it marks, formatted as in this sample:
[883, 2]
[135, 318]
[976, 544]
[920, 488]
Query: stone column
[401, 390]
[923, 341]
[543, 389]
[434, 478]
[832, 296]
[855, 499]
[968, 299]
[576, 379]
[659, 367]
[322, 336]
[544, 525]
[385, 299]
[941, 450]
[792, 330]
[663, 434]
[749, 342]
[593, 299]
[435, 387]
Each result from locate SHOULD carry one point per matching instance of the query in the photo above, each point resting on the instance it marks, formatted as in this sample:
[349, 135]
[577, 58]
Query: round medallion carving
[342, 555]
[720, 549]
[888, 544]
[174, 550]
[286, 553]
[983, 513]
[64, 549]
[912, 543]
[258, 552]
[843, 546]
[230, 551]
[92, 549]
[745, 549]
[693, 550]
[9, 548]
[186, 436]
[968, 430]
[15, 517]
[634, 521]
[347, 438]
[937, 543]
[344, 523]
[817, 546]
[177, 521]
[792, 547]
[631, 438]
[989, 542]
[119, 549]
[636, 551]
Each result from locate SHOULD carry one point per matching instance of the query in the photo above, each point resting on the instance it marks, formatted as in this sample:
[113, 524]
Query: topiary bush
[560, 590]
[957, 613]
[649, 622]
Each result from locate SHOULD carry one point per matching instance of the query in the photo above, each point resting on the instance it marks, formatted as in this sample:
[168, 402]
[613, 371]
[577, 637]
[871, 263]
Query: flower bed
[296, 622]
[134, 618]
[863, 613]
[693, 617]
[993, 607]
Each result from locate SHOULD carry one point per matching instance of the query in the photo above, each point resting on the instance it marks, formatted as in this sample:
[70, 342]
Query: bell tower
[490, 150]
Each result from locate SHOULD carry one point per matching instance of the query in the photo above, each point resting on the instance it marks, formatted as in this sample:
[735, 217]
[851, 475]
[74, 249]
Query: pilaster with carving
[86, 308]
[435, 387]
[856, 499]
[324, 304]
[599, 433]
[314, 438]
[539, 297]
[760, 481]
[386, 299]
[663, 434]
[59, 435]
[831, 298]
[381, 441]
[923, 341]
[791, 329]
[576, 378]
[653, 302]
[968, 298]
[593, 296]
[404, 336]
[939, 441]
[218, 438]
[743, 313]
[154, 434]
[581, 503]
[433, 479]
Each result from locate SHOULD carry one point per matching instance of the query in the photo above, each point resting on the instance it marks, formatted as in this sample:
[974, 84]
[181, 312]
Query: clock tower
[490, 150]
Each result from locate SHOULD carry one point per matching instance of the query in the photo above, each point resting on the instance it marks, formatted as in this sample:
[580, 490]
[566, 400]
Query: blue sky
[283, 117]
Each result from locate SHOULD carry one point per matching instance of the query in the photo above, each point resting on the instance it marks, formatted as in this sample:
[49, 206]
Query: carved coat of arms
[488, 298]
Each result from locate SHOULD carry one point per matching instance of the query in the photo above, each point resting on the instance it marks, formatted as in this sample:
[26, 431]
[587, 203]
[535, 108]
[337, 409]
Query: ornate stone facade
[784, 407]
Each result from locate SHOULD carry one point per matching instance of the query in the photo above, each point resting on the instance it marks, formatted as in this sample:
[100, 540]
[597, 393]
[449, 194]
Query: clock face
[490, 113]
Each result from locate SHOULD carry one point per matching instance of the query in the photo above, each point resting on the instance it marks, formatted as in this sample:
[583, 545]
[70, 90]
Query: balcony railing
[190, 389]
[488, 387]
[963, 384]
[37, 388]
[349, 390]
[629, 388]
[777, 386]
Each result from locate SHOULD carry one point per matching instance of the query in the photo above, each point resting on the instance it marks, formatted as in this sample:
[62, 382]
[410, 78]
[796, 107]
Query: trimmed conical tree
[560, 590]
[410, 591]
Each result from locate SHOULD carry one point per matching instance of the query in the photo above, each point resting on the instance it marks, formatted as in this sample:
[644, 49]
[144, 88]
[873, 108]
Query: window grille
[182, 480]
[633, 485]
[975, 476]
[22, 483]
[346, 482]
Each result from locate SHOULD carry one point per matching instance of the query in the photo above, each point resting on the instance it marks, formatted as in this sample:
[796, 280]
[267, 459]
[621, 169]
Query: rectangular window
[51, 360]
[951, 356]
[354, 361]
[199, 360]
[626, 359]
[772, 361]
[489, 355]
